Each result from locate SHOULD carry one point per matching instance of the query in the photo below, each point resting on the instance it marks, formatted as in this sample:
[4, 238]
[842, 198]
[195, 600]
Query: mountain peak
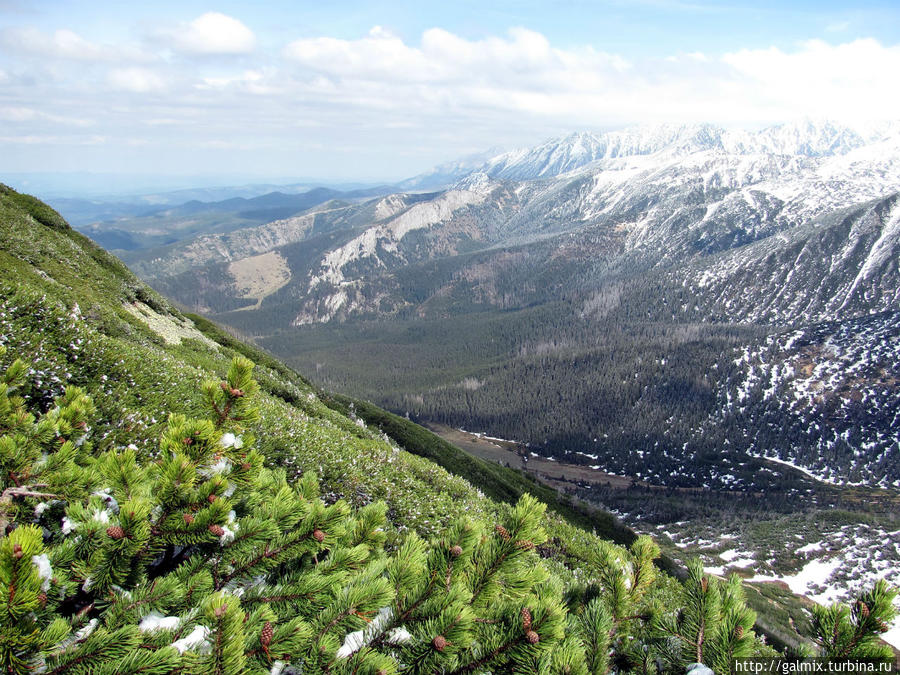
[807, 137]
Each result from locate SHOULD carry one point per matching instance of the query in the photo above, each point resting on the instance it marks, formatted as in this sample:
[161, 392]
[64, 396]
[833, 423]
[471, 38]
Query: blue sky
[382, 90]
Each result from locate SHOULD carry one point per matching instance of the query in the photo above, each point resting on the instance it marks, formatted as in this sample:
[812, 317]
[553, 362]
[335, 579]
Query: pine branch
[474, 665]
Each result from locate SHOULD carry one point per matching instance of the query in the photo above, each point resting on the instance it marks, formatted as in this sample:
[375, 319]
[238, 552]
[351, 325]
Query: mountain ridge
[807, 137]
[669, 228]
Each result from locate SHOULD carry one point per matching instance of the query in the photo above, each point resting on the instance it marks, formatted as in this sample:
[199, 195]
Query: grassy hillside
[76, 316]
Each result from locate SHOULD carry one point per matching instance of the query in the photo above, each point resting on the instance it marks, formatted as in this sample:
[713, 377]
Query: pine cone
[526, 618]
[188, 441]
[883, 627]
[863, 609]
[439, 643]
[211, 498]
[738, 632]
[456, 551]
[220, 611]
[188, 519]
[524, 545]
[245, 466]
[704, 584]
[216, 530]
[503, 532]
[225, 387]
[17, 551]
[115, 532]
[42, 599]
[318, 535]
[265, 637]
[532, 637]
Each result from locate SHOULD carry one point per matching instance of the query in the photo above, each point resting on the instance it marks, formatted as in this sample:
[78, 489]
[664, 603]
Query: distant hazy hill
[159, 220]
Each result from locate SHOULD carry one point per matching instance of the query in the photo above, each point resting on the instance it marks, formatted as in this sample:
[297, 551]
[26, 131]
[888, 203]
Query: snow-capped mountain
[805, 138]
[448, 173]
[643, 198]
[778, 229]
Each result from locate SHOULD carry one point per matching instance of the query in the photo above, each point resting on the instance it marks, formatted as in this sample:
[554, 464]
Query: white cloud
[523, 73]
[61, 44]
[214, 33]
[37, 139]
[443, 57]
[259, 82]
[66, 44]
[138, 80]
[22, 114]
[847, 81]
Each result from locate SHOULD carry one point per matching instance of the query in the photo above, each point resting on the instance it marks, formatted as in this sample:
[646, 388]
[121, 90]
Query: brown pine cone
[211, 498]
[738, 632]
[524, 545]
[42, 599]
[526, 618]
[188, 519]
[216, 530]
[245, 466]
[318, 535]
[265, 637]
[439, 643]
[17, 551]
[115, 532]
[456, 551]
[863, 609]
[532, 637]
[503, 532]
[225, 387]
[704, 584]
[220, 611]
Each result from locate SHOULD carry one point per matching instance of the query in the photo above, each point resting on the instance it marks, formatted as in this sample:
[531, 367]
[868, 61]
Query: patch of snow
[356, 640]
[196, 640]
[155, 621]
[229, 440]
[892, 637]
[84, 632]
[812, 548]
[44, 570]
[811, 581]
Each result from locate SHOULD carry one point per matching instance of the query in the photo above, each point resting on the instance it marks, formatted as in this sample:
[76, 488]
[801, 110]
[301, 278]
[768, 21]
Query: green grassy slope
[79, 316]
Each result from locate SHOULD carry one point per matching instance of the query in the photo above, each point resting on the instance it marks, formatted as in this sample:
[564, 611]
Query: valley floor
[820, 547]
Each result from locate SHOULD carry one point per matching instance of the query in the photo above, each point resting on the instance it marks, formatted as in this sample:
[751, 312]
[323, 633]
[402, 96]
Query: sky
[376, 91]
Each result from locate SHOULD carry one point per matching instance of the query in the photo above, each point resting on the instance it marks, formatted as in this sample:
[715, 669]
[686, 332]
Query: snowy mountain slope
[840, 265]
[640, 212]
[448, 173]
[554, 157]
[825, 398]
